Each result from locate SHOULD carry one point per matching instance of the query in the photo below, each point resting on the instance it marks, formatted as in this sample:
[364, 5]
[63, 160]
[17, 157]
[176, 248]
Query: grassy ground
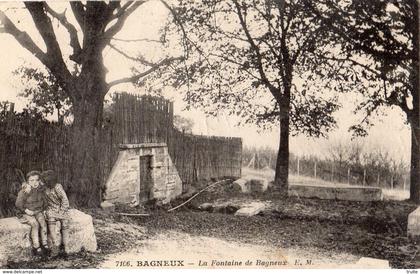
[363, 229]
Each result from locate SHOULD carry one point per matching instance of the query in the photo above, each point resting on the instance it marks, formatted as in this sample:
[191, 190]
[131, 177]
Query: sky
[390, 133]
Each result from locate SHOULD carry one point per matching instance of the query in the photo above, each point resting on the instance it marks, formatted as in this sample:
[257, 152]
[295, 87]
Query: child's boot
[37, 251]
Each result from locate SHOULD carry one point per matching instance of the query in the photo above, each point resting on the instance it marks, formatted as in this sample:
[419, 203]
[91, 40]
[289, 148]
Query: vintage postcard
[236, 134]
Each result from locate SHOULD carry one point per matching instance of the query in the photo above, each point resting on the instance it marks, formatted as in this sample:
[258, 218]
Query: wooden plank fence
[205, 157]
[28, 143]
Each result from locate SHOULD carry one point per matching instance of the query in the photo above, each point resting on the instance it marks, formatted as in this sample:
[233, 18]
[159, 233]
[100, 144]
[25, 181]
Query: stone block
[107, 206]
[336, 192]
[251, 184]
[242, 185]
[250, 209]
[366, 262]
[413, 224]
[206, 206]
[258, 185]
[81, 233]
[16, 243]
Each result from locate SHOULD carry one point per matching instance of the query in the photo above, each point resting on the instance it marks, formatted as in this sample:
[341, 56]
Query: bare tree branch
[74, 40]
[136, 40]
[79, 12]
[135, 78]
[136, 59]
[122, 10]
[230, 60]
[54, 60]
[121, 16]
[22, 37]
[256, 50]
[44, 27]
[181, 26]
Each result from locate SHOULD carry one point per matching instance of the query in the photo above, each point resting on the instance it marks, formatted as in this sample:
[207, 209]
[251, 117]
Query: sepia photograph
[210, 134]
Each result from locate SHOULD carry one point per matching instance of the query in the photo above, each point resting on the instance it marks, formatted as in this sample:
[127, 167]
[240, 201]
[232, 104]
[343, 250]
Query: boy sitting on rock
[30, 202]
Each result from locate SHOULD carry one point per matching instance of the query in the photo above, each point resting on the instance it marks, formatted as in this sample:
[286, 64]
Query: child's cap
[49, 175]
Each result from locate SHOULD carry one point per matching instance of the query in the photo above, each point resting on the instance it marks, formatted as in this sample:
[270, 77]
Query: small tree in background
[183, 124]
[44, 92]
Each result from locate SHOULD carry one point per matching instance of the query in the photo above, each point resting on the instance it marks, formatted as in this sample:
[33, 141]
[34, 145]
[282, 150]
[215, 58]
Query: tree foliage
[183, 124]
[246, 50]
[385, 33]
[260, 60]
[381, 34]
[44, 92]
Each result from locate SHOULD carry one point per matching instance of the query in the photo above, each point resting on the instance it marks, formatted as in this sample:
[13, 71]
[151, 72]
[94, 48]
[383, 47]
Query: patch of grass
[365, 229]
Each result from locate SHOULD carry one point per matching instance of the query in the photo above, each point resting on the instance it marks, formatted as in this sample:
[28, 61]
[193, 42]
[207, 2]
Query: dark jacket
[34, 200]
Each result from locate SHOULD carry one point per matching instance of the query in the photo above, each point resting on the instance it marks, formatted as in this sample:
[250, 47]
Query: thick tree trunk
[84, 187]
[415, 120]
[415, 165]
[282, 164]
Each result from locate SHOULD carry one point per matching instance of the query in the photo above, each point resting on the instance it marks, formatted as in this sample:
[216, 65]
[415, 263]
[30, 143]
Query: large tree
[258, 59]
[385, 36]
[98, 23]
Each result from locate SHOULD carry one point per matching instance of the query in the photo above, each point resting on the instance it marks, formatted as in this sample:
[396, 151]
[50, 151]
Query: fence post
[364, 177]
[315, 169]
[405, 181]
[392, 182]
[10, 116]
[298, 172]
[348, 176]
[332, 172]
[378, 180]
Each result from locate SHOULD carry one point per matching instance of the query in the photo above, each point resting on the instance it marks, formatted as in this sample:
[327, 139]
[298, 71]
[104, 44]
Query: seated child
[30, 202]
[57, 206]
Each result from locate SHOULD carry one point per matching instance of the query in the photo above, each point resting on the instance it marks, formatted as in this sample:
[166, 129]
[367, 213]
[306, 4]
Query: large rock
[81, 234]
[413, 225]
[251, 184]
[15, 241]
[16, 244]
[336, 192]
[241, 185]
[251, 209]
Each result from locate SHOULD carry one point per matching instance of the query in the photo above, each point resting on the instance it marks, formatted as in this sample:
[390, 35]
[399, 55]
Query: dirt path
[196, 251]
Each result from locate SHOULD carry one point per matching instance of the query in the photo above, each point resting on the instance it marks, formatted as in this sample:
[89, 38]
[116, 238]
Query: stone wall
[336, 193]
[123, 184]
